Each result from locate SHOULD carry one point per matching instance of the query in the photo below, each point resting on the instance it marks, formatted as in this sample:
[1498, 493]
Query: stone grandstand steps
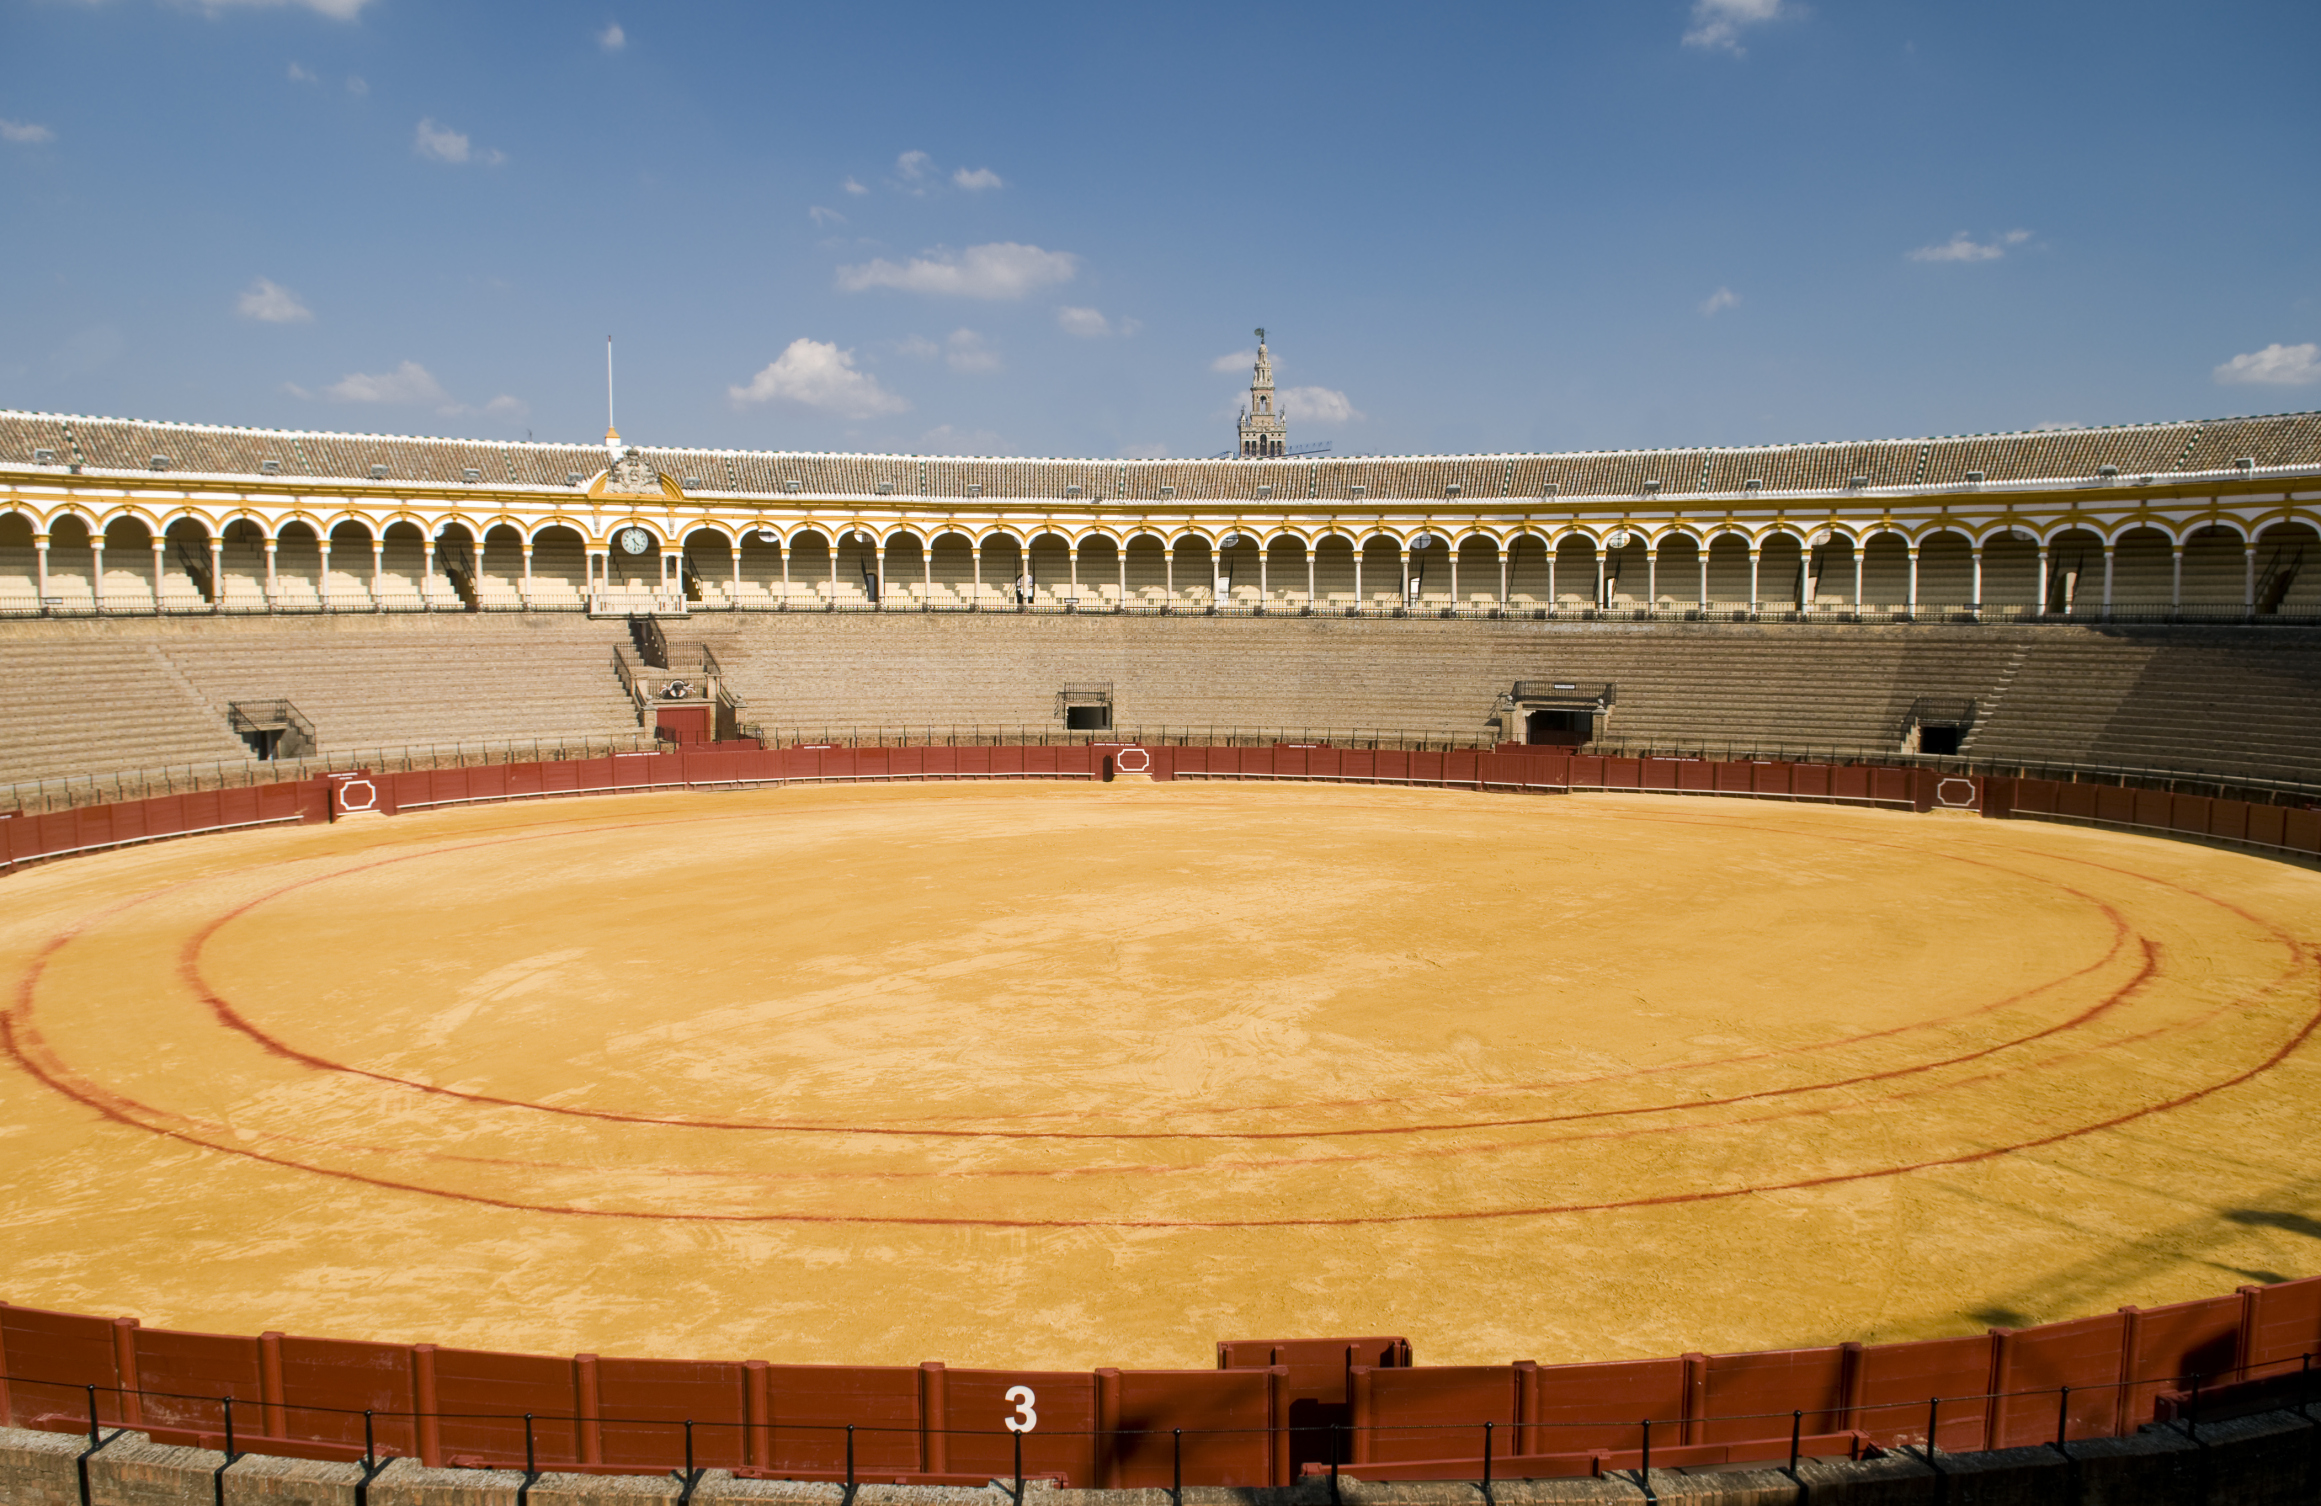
[146, 695]
[100, 707]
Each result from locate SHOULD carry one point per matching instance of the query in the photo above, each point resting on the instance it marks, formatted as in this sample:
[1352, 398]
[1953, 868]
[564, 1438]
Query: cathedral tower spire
[1263, 430]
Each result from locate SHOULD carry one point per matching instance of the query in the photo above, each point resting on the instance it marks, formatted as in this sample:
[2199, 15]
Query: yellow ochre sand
[1062, 1074]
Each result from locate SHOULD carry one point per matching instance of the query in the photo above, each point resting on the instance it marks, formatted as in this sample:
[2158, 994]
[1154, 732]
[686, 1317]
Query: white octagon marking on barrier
[370, 795]
[1942, 794]
[1142, 765]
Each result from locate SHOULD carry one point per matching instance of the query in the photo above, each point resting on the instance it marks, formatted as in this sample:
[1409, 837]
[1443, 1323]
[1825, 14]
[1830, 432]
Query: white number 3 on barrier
[1025, 1419]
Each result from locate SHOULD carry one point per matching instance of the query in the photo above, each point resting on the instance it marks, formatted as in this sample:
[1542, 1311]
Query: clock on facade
[635, 540]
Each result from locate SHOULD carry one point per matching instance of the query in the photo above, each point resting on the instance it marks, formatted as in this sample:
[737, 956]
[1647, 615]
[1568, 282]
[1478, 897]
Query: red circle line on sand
[16, 1048]
[190, 968]
[197, 1127]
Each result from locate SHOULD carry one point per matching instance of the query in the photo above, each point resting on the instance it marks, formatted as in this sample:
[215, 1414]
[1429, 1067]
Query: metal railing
[1024, 735]
[55, 792]
[1444, 1451]
[2218, 783]
[1825, 613]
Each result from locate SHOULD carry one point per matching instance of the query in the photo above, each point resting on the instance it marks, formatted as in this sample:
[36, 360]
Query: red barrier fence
[1269, 1412]
[2287, 830]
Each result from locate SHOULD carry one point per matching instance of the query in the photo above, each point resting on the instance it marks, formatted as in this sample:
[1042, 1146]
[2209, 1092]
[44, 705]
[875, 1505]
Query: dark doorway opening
[1107, 768]
[1942, 740]
[1088, 718]
[1558, 729]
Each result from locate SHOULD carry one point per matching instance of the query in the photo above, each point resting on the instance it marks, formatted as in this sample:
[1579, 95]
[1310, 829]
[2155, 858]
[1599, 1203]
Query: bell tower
[1263, 431]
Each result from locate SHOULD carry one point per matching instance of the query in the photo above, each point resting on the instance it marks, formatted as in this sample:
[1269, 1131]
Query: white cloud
[1718, 301]
[920, 346]
[1003, 269]
[818, 375]
[409, 384]
[612, 38]
[447, 145]
[1963, 247]
[337, 10]
[967, 352]
[851, 186]
[303, 75]
[974, 182]
[915, 168]
[1238, 361]
[356, 86]
[271, 303]
[513, 409]
[1716, 24]
[25, 133]
[2274, 366]
[1316, 405]
[1086, 323]
[824, 217]
[947, 439]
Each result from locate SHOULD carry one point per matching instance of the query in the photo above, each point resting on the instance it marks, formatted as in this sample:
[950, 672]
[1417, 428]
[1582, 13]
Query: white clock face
[636, 540]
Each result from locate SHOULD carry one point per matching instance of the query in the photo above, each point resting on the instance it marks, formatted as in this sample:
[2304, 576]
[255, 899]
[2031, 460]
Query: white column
[1860, 548]
[1755, 556]
[1551, 553]
[1652, 577]
[1599, 577]
[527, 573]
[379, 568]
[1455, 549]
[40, 567]
[737, 538]
[272, 580]
[2176, 580]
[1169, 572]
[1120, 558]
[1358, 548]
[834, 537]
[1506, 561]
[1913, 552]
[322, 572]
[97, 570]
[1402, 573]
[1073, 552]
[2107, 564]
[1978, 582]
[783, 547]
[217, 573]
[2046, 586]
[1701, 561]
[426, 573]
[1309, 577]
[1264, 575]
[2248, 577]
[926, 573]
[160, 561]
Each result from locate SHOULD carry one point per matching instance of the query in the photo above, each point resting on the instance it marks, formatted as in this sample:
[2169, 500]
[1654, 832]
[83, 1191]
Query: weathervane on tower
[1264, 431]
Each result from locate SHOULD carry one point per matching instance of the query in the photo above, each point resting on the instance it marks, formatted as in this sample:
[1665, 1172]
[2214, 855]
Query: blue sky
[1050, 229]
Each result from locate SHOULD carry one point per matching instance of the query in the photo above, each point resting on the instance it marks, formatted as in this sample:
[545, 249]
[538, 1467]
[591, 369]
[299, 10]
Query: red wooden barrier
[633, 1413]
[1232, 1421]
[977, 1410]
[2086, 1354]
[1895, 1382]
[1575, 1408]
[1748, 1394]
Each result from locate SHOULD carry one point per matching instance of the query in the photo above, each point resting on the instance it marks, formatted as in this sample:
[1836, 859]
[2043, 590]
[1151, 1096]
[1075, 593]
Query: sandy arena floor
[1066, 1075]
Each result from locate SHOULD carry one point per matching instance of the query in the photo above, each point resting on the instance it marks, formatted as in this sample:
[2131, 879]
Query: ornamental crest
[631, 476]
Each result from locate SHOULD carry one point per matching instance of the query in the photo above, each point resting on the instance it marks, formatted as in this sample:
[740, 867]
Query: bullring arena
[638, 1037]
